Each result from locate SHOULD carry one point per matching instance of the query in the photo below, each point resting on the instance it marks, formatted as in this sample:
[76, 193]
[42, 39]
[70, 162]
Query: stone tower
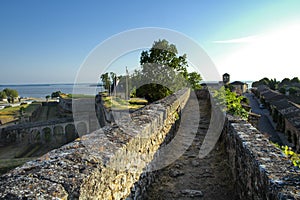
[226, 78]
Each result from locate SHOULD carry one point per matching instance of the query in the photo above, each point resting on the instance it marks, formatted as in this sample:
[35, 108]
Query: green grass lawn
[13, 113]
[66, 96]
[122, 104]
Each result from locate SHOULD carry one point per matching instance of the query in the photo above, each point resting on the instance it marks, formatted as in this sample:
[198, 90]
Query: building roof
[261, 88]
[281, 104]
[271, 95]
[288, 109]
[237, 83]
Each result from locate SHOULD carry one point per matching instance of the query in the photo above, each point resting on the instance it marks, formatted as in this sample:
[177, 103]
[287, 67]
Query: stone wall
[254, 119]
[109, 163]
[260, 170]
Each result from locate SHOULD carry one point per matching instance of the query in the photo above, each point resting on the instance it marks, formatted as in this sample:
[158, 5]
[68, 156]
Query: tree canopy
[3, 95]
[164, 72]
[11, 93]
[271, 83]
[55, 94]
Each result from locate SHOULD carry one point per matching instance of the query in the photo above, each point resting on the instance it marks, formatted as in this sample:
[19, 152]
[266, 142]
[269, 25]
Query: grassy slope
[13, 113]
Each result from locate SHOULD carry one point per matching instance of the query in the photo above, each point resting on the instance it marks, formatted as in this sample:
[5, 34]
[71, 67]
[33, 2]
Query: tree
[164, 71]
[153, 92]
[273, 84]
[285, 81]
[295, 80]
[106, 80]
[194, 80]
[55, 94]
[164, 54]
[282, 90]
[293, 90]
[3, 95]
[47, 97]
[11, 94]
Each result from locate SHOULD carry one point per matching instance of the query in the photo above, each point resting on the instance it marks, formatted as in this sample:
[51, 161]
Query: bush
[153, 92]
[230, 102]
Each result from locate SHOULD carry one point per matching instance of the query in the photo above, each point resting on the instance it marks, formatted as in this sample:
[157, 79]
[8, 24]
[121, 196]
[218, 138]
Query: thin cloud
[248, 39]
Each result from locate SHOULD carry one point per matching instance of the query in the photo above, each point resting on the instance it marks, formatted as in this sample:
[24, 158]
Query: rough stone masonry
[101, 165]
[97, 165]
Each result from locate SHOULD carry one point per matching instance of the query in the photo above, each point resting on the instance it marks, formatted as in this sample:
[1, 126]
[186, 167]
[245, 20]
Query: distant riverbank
[42, 90]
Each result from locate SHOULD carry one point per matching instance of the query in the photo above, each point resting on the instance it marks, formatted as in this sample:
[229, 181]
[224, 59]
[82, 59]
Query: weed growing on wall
[231, 102]
[294, 157]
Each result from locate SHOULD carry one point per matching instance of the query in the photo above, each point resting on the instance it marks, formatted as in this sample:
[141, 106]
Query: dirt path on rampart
[190, 177]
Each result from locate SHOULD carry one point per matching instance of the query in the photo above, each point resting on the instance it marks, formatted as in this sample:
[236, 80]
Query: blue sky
[47, 41]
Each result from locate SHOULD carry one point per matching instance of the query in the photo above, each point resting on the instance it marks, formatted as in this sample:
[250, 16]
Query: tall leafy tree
[194, 80]
[273, 84]
[11, 94]
[295, 80]
[163, 71]
[106, 81]
[3, 95]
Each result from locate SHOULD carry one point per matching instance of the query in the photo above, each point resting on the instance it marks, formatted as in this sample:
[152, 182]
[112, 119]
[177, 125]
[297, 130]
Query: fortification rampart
[111, 163]
[260, 170]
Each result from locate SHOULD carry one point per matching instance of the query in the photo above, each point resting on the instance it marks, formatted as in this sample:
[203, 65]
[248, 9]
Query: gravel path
[190, 177]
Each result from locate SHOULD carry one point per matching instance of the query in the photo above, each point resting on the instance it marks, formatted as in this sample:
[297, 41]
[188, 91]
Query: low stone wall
[109, 163]
[260, 170]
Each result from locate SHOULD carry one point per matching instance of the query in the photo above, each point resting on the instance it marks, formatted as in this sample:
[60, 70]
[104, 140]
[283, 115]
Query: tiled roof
[237, 83]
[288, 109]
[292, 114]
[261, 88]
[271, 95]
[281, 104]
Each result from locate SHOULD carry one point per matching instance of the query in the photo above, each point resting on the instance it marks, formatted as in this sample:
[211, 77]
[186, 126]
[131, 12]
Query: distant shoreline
[42, 90]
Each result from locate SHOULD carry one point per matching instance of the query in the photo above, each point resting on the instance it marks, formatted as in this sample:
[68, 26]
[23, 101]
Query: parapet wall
[111, 162]
[107, 164]
[260, 170]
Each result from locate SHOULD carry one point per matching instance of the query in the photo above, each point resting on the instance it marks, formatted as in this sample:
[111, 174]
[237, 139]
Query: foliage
[294, 157]
[163, 53]
[295, 80]
[153, 92]
[163, 72]
[230, 102]
[106, 80]
[245, 100]
[56, 94]
[138, 101]
[285, 81]
[121, 104]
[264, 81]
[194, 80]
[47, 97]
[273, 84]
[3, 95]
[293, 90]
[11, 93]
[282, 90]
